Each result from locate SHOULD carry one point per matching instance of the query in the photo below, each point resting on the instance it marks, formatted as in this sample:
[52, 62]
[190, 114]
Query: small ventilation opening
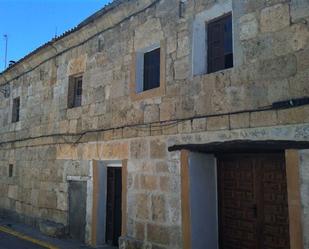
[11, 170]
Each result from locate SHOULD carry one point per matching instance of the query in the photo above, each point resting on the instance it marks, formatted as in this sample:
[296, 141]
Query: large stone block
[248, 27]
[275, 17]
[142, 210]
[199, 125]
[278, 68]
[158, 208]
[47, 199]
[151, 113]
[167, 110]
[265, 118]
[13, 192]
[148, 182]
[158, 234]
[157, 149]
[294, 115]
[139, 148]
[170, 184]
[140, 231]
[181, 68]
[148, 33]
[218, 123]
[239, 121]
[184, 126]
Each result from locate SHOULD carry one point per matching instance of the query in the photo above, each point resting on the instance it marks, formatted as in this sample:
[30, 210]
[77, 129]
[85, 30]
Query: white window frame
[199, 49]
[139, 70]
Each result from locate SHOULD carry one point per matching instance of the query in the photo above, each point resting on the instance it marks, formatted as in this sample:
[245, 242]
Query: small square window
[148, 71]
[11, 170]
[75, 91]
[151, 77]
[220, 44]
[16, 110]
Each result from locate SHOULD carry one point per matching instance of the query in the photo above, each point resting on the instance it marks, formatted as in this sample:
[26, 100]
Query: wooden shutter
[71, 92]
[152, 69]
[16, 110]
[78, 91]
[220, 44]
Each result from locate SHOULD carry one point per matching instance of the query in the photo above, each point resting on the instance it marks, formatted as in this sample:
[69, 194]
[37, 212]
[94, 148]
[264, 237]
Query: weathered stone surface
[267, 118]
[13, 192]
[152, 114]
[248, 27]
[270, 64]
[181, 68]
[275, 17]
[47, 199]
[139, 148]
[199, 125]
[148, 182]
[158, 208]
[157, 149]
[218, 123]
[167, 110]
[294, 116]
[278, 68]
[184, 127]
[140, 231]
[158, 234]
[142, 210]
[239, 121]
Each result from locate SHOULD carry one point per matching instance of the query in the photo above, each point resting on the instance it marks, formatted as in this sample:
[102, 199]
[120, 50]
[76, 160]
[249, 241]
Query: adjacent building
[164, 124]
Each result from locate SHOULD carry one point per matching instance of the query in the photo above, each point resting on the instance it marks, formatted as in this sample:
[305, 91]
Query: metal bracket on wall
[5, 89]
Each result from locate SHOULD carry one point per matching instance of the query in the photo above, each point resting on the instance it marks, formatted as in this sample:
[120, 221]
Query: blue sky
[31, 23]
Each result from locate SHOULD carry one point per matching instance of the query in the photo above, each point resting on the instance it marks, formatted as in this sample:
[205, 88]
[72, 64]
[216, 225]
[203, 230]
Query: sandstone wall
[271, 51]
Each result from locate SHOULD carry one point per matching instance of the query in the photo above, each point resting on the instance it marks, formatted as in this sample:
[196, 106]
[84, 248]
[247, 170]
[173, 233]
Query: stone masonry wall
[271, 56]
[271, 51]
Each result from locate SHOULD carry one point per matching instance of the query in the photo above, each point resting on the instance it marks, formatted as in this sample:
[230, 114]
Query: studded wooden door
[253, 209]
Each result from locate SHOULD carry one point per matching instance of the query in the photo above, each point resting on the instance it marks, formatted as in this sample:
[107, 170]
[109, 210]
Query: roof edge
[100, 13]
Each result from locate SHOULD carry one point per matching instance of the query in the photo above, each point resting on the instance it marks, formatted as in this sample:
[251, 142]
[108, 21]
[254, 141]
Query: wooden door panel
[253, 210]
[275, 222]
[237, 200]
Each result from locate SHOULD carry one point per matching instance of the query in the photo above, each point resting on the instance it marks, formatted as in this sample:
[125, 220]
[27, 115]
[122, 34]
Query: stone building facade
[160, 138]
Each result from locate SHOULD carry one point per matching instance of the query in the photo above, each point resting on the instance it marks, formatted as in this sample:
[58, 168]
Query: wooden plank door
[113, 205]
[253, 210]
[274, 204]
[237, 204]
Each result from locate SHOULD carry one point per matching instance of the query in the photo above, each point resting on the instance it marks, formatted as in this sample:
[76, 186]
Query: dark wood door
[253, 210]
[113, 206]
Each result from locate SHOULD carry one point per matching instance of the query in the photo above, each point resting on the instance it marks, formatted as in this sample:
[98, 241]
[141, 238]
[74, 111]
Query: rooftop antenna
[6, 50]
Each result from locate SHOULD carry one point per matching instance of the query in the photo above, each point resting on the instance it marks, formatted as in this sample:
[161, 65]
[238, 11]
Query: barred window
[75, 91]
[16, 110]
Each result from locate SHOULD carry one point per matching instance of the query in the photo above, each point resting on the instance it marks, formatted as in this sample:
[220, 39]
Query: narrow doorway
[107, 202]
[252, 198]
[77, 209]
[113, 205]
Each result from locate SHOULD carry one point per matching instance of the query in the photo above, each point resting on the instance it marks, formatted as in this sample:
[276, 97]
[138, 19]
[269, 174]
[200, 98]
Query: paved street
[20, 236]
[8, 241]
